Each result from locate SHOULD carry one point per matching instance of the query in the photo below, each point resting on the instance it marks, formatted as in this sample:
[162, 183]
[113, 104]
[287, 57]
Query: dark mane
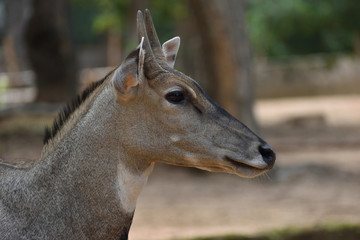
[69, 108]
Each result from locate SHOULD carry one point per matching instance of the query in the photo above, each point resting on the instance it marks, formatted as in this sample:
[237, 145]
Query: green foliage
[112, 15]
[165, 15]
[283, 27]
[83, 14]
[93, 17]
[109, 14]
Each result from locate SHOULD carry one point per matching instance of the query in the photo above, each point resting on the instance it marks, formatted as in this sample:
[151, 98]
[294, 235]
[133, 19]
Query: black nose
[268, 155]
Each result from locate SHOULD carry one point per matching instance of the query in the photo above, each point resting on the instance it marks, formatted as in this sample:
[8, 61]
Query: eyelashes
[176, 97]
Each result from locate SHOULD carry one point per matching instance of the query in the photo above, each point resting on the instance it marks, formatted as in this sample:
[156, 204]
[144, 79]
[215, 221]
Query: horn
[141, 30]
[153, 38]
[151, 66]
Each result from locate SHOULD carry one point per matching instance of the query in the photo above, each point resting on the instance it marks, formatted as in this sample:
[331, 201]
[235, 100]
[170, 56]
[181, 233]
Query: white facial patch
[175, 138]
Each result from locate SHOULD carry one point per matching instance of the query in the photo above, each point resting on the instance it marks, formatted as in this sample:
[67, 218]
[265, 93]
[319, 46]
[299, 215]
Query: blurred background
[289, 69]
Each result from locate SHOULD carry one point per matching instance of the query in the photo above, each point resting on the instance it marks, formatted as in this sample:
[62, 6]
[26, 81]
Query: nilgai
[102, 147]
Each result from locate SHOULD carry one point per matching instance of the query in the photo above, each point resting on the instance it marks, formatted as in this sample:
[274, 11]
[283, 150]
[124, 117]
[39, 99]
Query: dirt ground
[316, 179]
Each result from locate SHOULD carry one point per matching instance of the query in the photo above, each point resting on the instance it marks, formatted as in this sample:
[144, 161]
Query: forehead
[175, 79]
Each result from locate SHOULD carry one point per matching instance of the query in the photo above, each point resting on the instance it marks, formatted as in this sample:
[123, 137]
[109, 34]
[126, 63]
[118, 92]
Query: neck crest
[65, 113]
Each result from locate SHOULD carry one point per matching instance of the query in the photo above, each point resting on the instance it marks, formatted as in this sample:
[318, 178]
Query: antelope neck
[94, 147]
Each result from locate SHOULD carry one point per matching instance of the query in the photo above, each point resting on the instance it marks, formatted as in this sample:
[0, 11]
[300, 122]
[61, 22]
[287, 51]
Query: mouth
[242, 165]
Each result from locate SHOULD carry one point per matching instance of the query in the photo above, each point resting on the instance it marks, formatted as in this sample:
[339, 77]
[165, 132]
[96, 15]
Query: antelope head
[170, 119]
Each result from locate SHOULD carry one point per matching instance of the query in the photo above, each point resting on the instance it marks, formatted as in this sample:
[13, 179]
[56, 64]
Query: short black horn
[153, 37]
[151, 64]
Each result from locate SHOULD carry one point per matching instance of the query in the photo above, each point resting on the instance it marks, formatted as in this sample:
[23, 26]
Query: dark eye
[175, 97]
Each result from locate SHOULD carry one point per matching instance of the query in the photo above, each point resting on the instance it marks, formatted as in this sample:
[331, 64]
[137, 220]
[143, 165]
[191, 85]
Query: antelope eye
[175, 97]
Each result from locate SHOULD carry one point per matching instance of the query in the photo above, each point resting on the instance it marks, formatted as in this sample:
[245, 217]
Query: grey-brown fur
[90, 173]
[67, 195]
[69, 108]
[54, 201]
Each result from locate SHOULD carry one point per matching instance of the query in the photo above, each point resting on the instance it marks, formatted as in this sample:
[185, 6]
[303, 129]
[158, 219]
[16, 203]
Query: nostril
[268, 154]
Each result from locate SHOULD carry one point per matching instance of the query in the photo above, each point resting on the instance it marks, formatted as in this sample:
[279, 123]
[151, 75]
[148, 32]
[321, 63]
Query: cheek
[171, 119]
[167, 107]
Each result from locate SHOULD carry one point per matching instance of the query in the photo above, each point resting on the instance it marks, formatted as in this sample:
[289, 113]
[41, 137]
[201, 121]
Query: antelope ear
[128, 75]
[170, 49]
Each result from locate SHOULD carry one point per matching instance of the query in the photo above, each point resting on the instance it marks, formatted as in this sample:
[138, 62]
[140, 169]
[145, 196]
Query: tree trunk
[226, 53]
[114, 50]
[14, 52]
[10, 55]
[50, 50]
